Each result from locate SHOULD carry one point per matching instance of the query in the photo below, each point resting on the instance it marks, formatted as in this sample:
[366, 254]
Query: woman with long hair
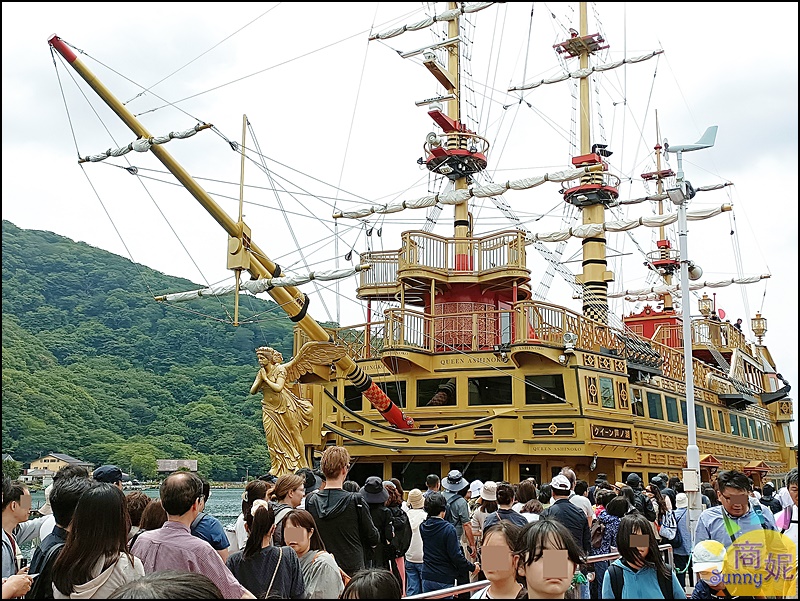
[95, 560]
[655, 497]
[545, 495]
[640, 572]
[321, 574]
[402, 533]
[153, 517]
[500, 564]
[487, 505]
[255, 489]
[612, 510]
[289, 491]
[526, 490]
[262, 569]
[534, 541]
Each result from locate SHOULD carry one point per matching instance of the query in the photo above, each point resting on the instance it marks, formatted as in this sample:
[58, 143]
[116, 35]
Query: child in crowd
[499, 563]
[372, 583]
[640, 572]
[548, 559]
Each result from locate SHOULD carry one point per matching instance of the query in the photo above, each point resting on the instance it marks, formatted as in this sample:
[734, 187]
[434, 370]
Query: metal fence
[475, 586]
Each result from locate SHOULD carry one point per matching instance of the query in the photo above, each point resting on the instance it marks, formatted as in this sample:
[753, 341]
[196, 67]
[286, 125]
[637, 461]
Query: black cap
[271, 478]
[108, 473]
[633, 480]
[312, 481]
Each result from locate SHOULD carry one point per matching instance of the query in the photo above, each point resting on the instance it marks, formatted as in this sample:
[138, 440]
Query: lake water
[224, 504]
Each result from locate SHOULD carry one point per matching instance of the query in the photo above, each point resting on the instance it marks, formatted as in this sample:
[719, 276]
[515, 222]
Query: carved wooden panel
[622, 393]
[591, 390]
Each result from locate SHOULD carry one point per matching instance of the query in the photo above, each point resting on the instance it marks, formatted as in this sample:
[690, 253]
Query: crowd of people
[318, 535]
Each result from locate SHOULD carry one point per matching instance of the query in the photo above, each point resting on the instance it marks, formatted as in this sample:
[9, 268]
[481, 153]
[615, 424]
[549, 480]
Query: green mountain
[94, 367]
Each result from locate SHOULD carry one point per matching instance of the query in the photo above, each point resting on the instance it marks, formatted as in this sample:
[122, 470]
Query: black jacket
[644, 506]
[382, 519]
[343, 521]
[574, 519]
[772, 502]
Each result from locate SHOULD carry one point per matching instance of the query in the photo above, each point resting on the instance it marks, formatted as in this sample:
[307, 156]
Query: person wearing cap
[110, 474]
[474, 495]
[343, 518]
[640, 501]
[375, 495]
[708, 557]
[769, 499]
[737, 513]
[487, 506]
[414, 556]
[568, 514]
[312, 484]
[681, 554]
[457, 513]
[597, 481]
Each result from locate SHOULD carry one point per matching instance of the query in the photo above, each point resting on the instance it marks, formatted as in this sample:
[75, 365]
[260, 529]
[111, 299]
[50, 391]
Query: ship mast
[594, 190]
[243, 252]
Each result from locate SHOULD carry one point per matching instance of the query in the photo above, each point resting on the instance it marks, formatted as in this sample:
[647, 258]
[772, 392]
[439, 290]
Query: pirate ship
[461, 364]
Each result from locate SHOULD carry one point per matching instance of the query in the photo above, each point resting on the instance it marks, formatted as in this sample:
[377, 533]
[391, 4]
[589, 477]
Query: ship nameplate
[611, 433]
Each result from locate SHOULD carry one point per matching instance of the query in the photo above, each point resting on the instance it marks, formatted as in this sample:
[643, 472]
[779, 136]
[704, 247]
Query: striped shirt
[172, 547]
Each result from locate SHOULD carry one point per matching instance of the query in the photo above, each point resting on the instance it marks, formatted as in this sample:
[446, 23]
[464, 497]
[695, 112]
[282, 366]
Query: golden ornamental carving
[622, 393]
[589, 360]
[591, 389]
[605, 363]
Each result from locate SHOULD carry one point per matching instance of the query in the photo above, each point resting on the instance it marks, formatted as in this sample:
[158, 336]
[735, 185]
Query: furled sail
[447, 15]
[454, 197]
[593, 230]
[665, 196]
[655, 292]
[144, 144]
[580, 73]
[264, 284]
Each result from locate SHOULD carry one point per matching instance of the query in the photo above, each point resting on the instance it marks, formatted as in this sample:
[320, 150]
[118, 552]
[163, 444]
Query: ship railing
[362, 341]
[451, 256]
[448, 332]
[471, 587]
[382, 270]
[543, 323]
[601, 178]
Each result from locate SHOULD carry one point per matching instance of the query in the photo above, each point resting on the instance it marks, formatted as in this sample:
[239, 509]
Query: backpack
[598, 530]
[669, 530]
[618, 581]
[448, 512]
[402, 534]
[43, 584]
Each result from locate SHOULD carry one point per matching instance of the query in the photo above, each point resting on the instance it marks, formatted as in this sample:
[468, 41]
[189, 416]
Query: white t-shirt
[782, 522]
[785, 497]
[241, 533]
[584, 503]
[46, 528]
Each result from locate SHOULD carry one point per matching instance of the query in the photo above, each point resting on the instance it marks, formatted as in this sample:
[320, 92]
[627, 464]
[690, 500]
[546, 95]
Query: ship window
[426, 389]
[607, 393]
[359, 471]
[743, 427]
[637, 406]
[760, 431]
[770, 433]
[684, 413]
[709, 418]
[490, 391]
[672, 409]
[395, 390]
[721, 417]
[734, 425]
[699, 416]
[787, 435]
[413, 474]
[538, 387]
[530, 470]
[654, 405]
[753, 431]
[481, 470]
[352, 398]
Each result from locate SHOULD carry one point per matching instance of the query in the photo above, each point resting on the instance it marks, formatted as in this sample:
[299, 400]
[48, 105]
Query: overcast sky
[339, 113]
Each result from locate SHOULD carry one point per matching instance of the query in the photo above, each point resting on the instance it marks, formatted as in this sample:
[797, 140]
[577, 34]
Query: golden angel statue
[284, 414]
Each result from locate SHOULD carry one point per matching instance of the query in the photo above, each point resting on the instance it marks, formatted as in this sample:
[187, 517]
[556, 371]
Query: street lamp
[680, 196]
